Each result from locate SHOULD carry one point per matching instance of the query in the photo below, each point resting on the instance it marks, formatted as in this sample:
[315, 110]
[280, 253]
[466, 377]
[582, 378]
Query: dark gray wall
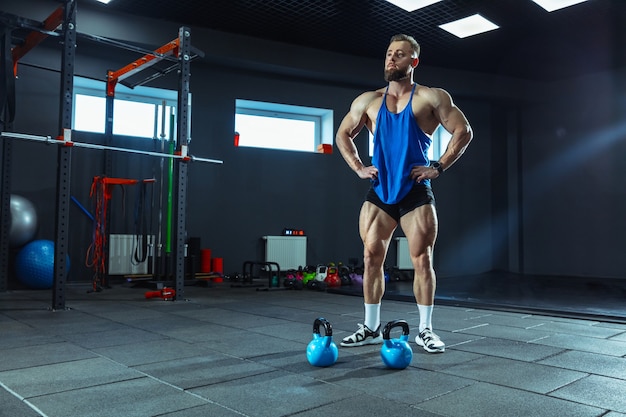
[573, 152]
[505, 205]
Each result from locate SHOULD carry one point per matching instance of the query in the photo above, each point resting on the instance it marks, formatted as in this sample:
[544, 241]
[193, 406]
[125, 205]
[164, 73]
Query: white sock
[426, 317]
[372, 316]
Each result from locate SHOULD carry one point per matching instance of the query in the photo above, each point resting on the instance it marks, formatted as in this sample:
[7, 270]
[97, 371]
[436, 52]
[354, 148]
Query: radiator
[121, 255]
[403, 257]
[289, 252]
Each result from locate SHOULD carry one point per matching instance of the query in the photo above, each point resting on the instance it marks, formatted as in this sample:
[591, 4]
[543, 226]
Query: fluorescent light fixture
[104, 1]
[412, 5]
[552, 5]
[469, 26]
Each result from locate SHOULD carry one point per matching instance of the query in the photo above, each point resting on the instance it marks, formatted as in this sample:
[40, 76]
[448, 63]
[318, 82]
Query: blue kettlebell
[396, 353]
[322, 351]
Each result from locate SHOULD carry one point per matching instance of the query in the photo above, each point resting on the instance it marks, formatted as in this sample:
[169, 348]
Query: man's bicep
[353, 122]
[450, 116]
[455, 120]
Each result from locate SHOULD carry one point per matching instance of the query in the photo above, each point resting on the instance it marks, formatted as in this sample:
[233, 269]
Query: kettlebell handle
[328, 328]
[395, 323]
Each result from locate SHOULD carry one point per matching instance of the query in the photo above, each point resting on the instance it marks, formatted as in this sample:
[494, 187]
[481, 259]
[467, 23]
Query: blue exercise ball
[23, 221]
[34, 264]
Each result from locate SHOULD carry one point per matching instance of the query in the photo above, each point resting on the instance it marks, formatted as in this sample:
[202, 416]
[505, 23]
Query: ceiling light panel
[469, 26]
[552, 5]
[412, 5]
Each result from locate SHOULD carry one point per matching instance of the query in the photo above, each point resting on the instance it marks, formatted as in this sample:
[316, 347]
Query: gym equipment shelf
[180, 51]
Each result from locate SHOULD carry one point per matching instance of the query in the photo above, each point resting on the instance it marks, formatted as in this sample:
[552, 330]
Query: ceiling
[531, 43]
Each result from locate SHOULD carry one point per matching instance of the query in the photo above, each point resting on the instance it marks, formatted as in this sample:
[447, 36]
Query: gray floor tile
[12, 406]
[151, 352]
[28, 356]
[11, 325]
[515, 374]
[511, 349]
[274, 394]
[127, 314]
[236, 319]
[410, 385]
[212, 410]
[233, 344]
[206, 370]
[292, 331]
[583, 344]
[368, 406]
[135, 398]
[522, 321]
[586, 329]
[66, 322]
[570, 320]
[15, 339]
[240, 351]
[480, 400]
[163, 323]
[438, 362]
[506, 332]
[591, 363]
[598, 391]
[620, 337]
[611, 325]
[451, 339]
[122, 336]
[269, 311]
[348, 361]
[66, 376]
[204, 332]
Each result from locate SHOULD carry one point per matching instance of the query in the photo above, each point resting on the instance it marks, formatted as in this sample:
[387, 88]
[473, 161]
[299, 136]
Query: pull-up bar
[35, 38]
[140, 64]
[41, 30]
[182, 155]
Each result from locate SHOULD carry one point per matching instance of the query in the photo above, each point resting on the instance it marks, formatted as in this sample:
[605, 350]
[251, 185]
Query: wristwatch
[437, 166]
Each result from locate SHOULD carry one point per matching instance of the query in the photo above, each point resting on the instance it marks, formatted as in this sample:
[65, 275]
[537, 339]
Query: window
[440, 137]
[282, 126]
[142, 111]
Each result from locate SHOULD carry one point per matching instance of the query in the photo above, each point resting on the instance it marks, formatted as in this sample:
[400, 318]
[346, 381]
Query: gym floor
[240, 352]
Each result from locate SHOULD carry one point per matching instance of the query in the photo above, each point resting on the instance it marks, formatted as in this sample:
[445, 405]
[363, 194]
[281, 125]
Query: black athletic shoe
[363, 336]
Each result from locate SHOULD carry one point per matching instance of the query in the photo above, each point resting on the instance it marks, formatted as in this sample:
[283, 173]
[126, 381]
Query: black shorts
[419, 195]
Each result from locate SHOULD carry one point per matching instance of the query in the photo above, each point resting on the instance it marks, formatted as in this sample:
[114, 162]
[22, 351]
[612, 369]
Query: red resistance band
[102, 191]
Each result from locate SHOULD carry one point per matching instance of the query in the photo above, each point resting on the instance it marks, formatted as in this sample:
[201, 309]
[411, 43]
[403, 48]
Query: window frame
[140, 94]
[322, 119]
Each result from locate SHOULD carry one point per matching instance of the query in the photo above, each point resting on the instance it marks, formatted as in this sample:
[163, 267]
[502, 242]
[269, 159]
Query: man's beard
[395, 75]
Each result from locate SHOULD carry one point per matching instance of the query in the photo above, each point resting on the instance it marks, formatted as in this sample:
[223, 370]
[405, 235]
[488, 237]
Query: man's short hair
[410, 39]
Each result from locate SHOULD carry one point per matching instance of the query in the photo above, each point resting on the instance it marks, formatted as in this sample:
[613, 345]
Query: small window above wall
[440, 137]
[142, 111]
[282, 126]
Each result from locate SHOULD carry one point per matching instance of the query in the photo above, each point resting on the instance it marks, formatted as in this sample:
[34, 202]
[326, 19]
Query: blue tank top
[399, 145]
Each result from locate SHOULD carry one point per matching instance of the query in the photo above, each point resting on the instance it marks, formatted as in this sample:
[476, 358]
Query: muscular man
[401, 116]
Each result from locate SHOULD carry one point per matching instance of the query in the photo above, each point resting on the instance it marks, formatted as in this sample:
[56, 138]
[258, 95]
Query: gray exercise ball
[23, 221]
